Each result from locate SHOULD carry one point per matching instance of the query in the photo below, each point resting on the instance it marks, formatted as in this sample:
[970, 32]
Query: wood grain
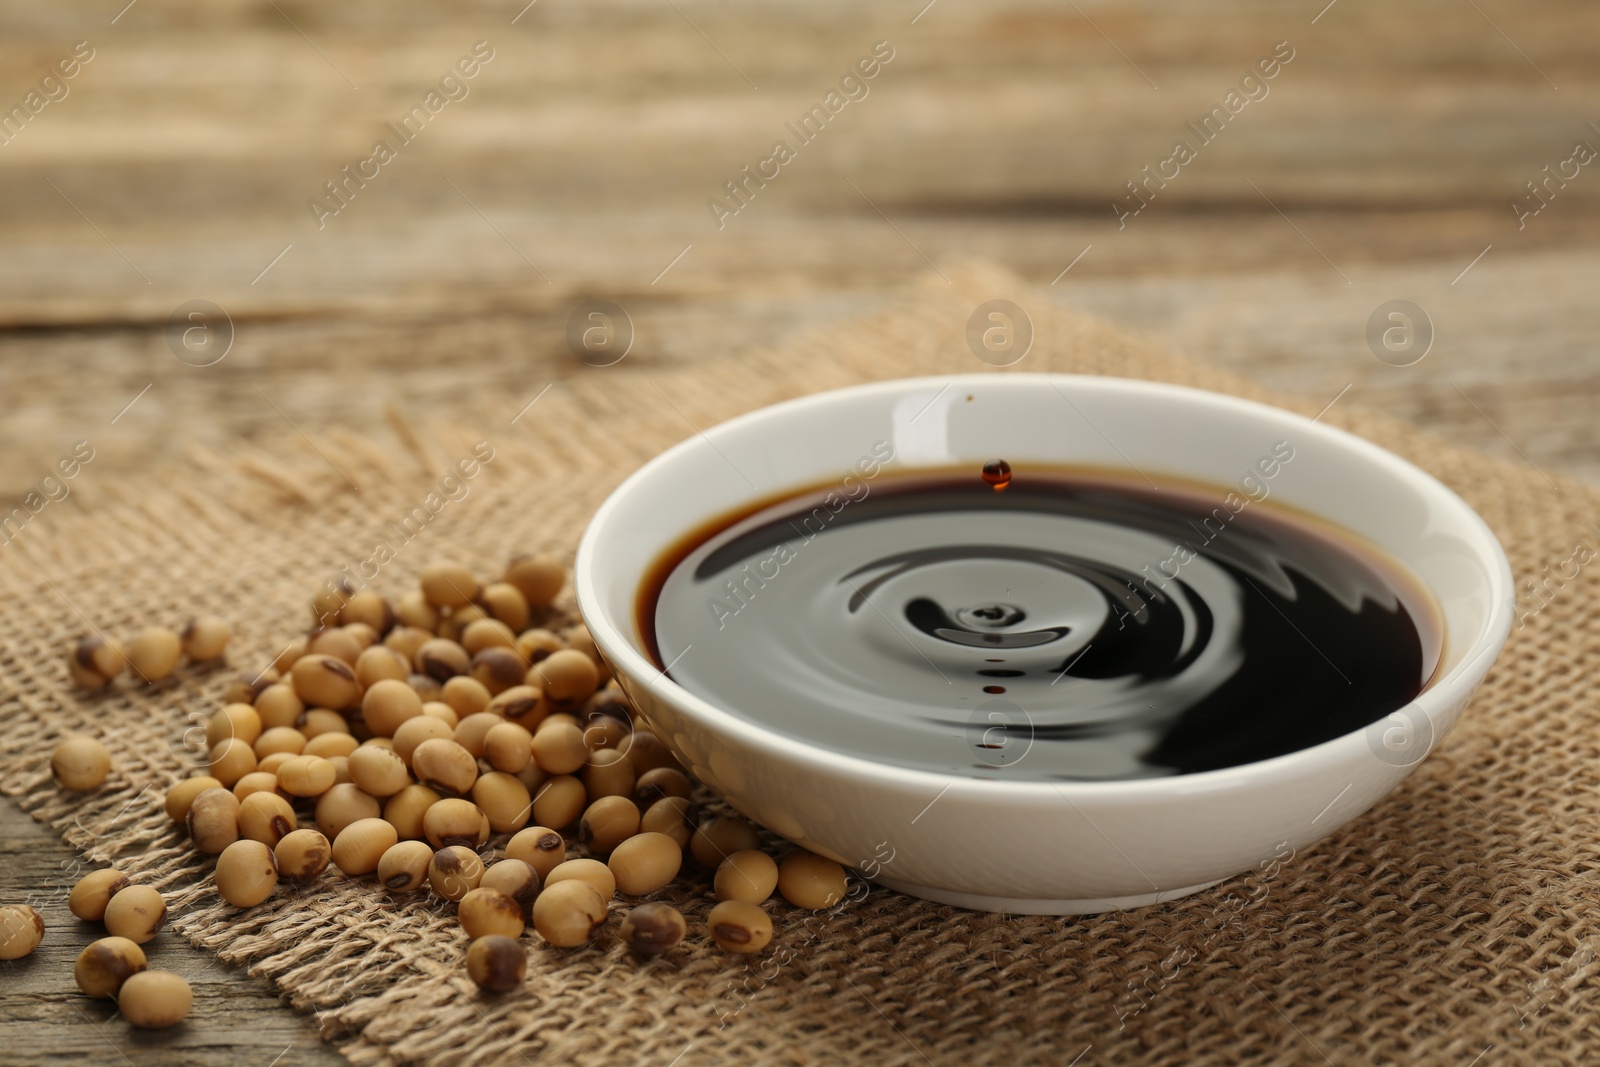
[236, 1019]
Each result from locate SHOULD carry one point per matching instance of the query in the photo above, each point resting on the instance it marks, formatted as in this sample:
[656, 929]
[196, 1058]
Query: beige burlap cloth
[1456, 916]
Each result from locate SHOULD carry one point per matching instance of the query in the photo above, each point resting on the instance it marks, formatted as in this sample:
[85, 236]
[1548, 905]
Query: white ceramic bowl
[1032, 846]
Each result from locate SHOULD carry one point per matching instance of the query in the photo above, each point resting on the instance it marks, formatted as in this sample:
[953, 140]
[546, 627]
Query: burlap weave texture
[1454, 917]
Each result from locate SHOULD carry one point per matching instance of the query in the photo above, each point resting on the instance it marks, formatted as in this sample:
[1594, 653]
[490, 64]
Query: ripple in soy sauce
[1078, 625]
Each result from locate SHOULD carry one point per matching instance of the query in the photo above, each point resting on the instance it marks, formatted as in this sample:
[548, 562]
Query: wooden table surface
[1383, 162]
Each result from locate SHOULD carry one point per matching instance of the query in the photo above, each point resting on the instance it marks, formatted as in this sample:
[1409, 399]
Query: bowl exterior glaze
[1040, 846]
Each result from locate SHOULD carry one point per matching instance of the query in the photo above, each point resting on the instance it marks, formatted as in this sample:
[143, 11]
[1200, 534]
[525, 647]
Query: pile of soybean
[460, 742]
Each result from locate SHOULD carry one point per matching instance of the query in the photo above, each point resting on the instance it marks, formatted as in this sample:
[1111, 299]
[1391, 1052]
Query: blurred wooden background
[581, 162]
[1381, 165]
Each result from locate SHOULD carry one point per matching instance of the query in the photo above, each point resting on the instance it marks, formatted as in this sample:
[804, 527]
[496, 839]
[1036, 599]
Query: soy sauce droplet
[997, 474]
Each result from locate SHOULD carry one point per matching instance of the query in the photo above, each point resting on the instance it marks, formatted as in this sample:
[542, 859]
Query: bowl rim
[1439, 698]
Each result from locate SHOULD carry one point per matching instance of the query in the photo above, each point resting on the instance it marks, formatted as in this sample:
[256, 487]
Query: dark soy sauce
[1055, 624]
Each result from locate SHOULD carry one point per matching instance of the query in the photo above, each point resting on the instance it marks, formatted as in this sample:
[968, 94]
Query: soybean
[608, 774]
[415, 613]
[455, 871]
[471, 731]
[270, 764]
[333, 745]
[445, 766]
[365, 636]
[266, 818]
[449, 585]
[234, 720]
[404, 866]
[442, 659]
[360, 846]
[204, 638]
[438, 709]
[673, 816]
[808, 880]
[540, 848]
[302, 855]
[539, 578]
[497, 964]
[230, 760]
[580, 640]
[523, 705]
[647, 752]
[407, 810]
[606, 727]
[106, 964]
[645, 863]
[508, 747]
[607, 823]
[378, 771]
[456, 620]
[660, 782]
[454, 821]
[319, 722]
[80, 763]
[485, 911]
[565, 676]
[248, 685]
[559, 801]
[154, 1000]
[336, 642]
[213, 820]
[153, 653]
[21, 930]
[466, 696]
[291, 652]
[279, 705]
[498, 667]
[505, 602]
[558, 747]
[721, 837]
[306, 776]
[277, 739]
[136, 913]
[247, 873]
[750, 876]
[537, 644]
[568, 913]
[388, 704]
[94, 891]
[593, 872]
[330, 601]
[739, 926]
[256, 782]
[342, 805]
[654, 928]
[325, 682]
[368, 608]
[413, 732]
[380, 663]
[487, 633]
[341, 769]
[181, 795]
[427, 687]
[504, 800]
[515, 878]
[95, 661]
